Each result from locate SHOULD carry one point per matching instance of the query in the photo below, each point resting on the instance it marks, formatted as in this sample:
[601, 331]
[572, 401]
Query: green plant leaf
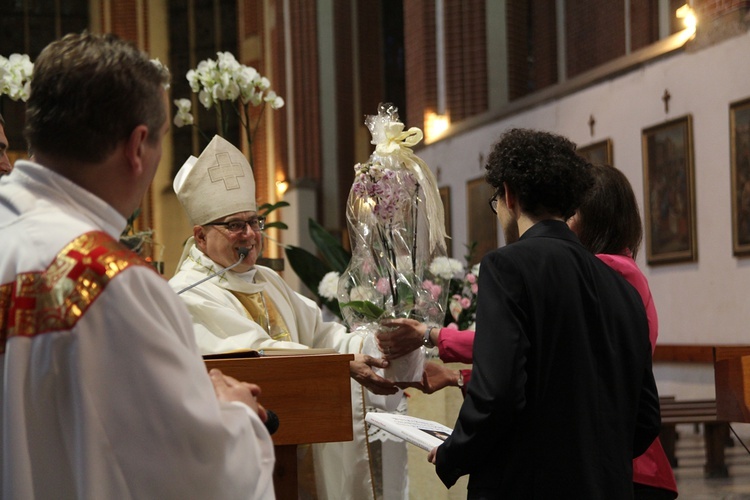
[365, 308]
[331, 249]
[311, 270]
[276, 224]
[405, 295]
[267, 208]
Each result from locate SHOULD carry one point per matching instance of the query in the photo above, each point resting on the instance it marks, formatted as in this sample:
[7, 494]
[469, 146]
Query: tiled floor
[691, 483]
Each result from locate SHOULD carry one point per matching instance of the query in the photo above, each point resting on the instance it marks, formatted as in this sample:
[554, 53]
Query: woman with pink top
[609, 224]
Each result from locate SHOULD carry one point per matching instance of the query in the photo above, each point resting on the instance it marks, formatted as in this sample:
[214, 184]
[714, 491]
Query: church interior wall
[701, 302]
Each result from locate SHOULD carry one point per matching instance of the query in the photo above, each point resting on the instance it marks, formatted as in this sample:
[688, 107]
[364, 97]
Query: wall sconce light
[281, 187]
[435, 126]
[687, 14]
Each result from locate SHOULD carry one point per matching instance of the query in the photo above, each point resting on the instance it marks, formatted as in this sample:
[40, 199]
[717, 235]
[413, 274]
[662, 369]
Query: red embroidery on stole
[56, 298]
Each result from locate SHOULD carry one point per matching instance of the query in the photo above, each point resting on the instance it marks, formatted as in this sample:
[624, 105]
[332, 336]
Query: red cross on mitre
[226, 170]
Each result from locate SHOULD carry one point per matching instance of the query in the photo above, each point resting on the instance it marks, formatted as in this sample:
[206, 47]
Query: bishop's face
[220, 240]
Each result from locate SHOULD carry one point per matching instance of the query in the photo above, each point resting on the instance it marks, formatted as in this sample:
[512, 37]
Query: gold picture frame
[481, 223]
[669, 192]
[739, 138]
[598, 153]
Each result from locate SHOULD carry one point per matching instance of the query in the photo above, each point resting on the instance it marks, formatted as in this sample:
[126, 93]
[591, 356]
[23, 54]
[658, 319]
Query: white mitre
[216, 184]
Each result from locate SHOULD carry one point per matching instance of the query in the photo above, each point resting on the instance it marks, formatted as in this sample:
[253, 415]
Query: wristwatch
[460, 379]
[427, 341]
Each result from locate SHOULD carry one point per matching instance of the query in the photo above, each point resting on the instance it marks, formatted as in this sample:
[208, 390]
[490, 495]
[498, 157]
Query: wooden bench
[699, 412]
[732, 403]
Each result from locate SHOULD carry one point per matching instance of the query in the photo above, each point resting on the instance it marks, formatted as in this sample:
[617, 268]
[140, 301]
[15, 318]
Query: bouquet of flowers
[15, 76]
[462, 297]
[396, 226]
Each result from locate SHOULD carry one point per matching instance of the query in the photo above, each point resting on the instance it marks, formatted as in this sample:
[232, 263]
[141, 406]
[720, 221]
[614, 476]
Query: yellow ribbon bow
[396, 139]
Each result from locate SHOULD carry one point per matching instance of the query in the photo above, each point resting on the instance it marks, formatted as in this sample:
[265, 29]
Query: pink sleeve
[467, 378]
[629, 270]
[455, 345]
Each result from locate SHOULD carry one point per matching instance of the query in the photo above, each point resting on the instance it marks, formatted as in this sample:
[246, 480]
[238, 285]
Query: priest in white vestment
[104, 393]
[250, 306]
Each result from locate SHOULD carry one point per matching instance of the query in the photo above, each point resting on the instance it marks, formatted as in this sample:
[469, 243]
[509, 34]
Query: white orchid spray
[228, 87]
[15, 76]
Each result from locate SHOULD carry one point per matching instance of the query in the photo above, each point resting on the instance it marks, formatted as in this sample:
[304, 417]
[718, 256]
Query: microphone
[272, 421]
[242, 251]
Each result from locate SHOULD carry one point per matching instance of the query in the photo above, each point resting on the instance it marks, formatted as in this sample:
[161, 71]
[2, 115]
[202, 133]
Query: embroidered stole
[55, 298]
[263, 311]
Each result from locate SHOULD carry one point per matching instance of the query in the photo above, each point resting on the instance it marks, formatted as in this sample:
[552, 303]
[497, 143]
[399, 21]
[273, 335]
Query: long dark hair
[608, 219]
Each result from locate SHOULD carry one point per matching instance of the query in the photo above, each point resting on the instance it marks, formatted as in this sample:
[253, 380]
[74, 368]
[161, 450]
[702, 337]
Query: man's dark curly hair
[543, 170]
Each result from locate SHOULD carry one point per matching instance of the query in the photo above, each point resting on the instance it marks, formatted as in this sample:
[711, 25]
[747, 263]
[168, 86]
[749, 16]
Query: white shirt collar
[101, 213]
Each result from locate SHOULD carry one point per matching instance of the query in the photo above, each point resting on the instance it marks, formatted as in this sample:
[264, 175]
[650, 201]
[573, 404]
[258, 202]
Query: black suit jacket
[562, 396]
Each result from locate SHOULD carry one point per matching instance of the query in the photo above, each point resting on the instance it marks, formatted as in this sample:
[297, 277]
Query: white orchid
[275, 101]
[225, 79]
[183, 116]
[226, 85]
[15, 76]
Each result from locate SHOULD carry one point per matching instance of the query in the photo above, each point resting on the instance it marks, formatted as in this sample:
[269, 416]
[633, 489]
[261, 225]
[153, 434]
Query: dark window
[393, 56]
[209, 27]
[28, 27]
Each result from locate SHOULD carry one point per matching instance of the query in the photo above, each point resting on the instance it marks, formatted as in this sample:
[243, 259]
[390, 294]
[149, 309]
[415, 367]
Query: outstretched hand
[361, 370]
[400, 336]
[435, 377]
[229, 389]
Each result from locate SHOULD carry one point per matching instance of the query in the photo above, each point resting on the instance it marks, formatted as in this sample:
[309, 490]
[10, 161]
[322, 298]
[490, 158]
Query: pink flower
[432, 288]
[471, 278]
[474, 288]
[465, 302]
[455, 309]
[383, 286]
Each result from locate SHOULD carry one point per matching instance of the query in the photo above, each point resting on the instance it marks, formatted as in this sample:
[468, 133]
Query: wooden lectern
[732, 381]
[310, 394]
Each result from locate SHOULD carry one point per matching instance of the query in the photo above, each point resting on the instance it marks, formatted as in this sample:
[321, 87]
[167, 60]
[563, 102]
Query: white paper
[426, 434]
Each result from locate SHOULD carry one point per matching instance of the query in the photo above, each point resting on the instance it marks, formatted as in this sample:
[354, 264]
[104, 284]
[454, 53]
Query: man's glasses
[493, 203]
[238, 226]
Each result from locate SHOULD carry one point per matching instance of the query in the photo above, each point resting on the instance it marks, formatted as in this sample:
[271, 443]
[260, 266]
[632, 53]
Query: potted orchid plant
[229, 88]
[396, 228]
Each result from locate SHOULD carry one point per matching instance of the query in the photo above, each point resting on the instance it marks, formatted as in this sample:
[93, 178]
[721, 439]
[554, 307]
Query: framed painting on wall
[669, 192]
[739, 125]
[445, 197]
[482, 223]
[598, 153]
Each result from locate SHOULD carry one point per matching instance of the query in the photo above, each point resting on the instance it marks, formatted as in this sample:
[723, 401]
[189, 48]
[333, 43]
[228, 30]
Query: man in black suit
[562, 395]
